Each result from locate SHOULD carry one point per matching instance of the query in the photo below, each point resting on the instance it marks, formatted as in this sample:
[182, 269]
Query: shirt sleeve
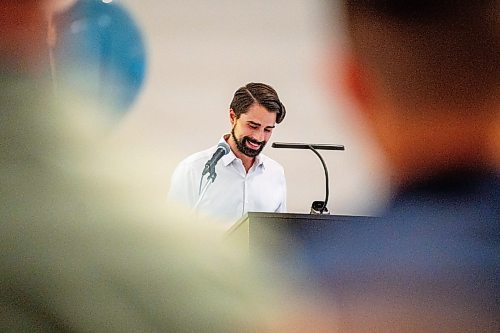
[183, 189]
[282, 206]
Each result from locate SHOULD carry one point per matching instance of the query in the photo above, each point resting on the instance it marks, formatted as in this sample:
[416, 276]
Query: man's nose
[259, 136]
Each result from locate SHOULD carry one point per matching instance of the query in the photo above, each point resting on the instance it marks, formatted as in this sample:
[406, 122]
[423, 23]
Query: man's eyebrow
[257, 124]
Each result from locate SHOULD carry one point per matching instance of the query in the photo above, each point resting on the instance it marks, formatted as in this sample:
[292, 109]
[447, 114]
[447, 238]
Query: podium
[282, 235]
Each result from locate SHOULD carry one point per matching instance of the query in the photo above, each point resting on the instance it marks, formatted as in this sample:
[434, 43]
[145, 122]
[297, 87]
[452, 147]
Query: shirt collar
[229, 157]
[259, 160]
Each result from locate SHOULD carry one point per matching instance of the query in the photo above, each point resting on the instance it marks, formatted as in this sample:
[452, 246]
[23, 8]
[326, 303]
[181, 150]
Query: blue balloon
[100, 54]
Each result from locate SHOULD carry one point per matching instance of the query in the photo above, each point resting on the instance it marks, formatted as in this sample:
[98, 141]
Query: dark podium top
[281, 235]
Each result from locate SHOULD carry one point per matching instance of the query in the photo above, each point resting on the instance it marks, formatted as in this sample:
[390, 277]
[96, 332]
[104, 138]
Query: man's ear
[357, 85]
[232, 117]
[362, 87]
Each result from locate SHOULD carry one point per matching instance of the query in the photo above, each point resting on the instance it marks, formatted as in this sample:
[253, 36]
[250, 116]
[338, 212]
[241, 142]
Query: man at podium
[234, 177]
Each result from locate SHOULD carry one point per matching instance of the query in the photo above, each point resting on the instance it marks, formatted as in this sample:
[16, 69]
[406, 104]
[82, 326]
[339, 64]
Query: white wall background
[200, 52]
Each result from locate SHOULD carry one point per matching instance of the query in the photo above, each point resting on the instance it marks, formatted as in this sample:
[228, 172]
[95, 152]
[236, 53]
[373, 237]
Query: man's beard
[242, 147]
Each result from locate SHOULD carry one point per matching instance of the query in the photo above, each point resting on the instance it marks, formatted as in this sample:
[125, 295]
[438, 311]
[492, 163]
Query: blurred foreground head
[98, 53]
[88, 51]
[83, 247]
[425, 75]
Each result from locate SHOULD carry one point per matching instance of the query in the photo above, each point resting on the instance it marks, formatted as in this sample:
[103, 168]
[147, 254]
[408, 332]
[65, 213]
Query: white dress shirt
[234, 192]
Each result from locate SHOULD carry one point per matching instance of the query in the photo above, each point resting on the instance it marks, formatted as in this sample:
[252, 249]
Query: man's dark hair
[429, 51]
[261, 94]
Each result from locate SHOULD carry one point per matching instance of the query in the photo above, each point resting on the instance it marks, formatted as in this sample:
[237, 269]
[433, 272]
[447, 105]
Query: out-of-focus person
[97, 52]
[424, 76]
[81, 248]
[247, 180]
